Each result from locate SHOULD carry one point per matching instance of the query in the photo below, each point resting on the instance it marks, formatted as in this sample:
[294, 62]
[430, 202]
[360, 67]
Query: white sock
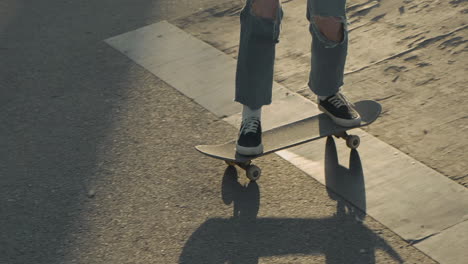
[325, 97]
[249, 112]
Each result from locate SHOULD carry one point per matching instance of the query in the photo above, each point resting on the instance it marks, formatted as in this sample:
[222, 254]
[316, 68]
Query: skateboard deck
[294, 134]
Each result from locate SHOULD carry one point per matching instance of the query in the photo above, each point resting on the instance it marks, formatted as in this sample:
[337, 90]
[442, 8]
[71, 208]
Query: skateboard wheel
[253, 172]
[353, 141]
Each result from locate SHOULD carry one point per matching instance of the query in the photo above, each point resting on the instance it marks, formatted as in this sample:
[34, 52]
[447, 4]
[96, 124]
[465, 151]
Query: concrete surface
[98, 164]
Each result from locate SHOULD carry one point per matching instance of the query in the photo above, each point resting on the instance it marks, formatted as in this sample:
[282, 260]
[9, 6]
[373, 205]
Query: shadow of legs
[347, 183]
[246, 199]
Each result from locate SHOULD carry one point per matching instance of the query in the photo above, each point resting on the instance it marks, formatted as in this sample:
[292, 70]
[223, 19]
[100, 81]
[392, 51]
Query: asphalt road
[98, 165]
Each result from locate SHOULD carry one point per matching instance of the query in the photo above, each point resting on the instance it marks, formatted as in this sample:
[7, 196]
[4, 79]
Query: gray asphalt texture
[98, 165]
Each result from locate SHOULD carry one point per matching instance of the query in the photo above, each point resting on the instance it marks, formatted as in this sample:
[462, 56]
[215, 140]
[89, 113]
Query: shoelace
[250, 125]
[338, 100]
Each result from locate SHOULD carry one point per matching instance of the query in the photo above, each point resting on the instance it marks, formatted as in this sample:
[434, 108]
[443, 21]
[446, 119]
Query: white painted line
[287, 107]
[448, 247]
[408, 197]
[198, 70]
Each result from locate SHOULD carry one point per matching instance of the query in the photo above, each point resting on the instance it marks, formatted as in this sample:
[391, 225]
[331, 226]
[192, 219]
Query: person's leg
[260, 29]
[328, 27]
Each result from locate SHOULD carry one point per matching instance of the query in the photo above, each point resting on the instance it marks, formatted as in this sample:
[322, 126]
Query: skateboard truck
[251, 171]
[352, 141]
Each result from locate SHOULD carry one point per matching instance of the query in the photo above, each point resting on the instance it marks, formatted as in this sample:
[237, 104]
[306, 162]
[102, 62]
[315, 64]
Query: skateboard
[290, 135]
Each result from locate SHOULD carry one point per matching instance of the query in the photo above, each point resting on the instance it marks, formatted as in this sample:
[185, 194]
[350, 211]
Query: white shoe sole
[249, 151]
[341, 121]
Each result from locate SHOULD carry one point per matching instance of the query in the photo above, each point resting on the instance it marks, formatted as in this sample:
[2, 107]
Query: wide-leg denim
[256, 57]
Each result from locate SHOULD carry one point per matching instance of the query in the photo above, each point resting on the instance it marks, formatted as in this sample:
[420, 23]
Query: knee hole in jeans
[332, 28]
[265, 8]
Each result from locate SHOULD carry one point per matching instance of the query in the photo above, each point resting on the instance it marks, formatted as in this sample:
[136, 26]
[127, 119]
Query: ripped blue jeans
[256, 57]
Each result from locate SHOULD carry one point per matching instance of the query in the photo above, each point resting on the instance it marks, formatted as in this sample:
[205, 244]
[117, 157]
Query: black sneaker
[250, 137]
[340, 110]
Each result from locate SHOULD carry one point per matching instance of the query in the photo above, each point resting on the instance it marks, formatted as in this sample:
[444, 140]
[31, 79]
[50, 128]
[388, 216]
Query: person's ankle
[248, 112]
[321, 98]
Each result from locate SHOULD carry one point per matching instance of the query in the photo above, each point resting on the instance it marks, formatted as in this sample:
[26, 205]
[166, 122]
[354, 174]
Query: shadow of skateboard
[300, 132]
